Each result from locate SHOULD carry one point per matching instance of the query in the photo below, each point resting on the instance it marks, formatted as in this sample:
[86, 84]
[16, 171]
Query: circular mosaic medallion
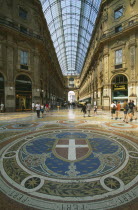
[21, 126]
[72, 155]
[88, 167]
[71, 123]
[121, 125]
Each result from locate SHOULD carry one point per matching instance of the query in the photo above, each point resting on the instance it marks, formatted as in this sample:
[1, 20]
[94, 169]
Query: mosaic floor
[67, 162]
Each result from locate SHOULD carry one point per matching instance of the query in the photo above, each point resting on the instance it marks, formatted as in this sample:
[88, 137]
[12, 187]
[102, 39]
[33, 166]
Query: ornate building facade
[110, 72]
[29, 69]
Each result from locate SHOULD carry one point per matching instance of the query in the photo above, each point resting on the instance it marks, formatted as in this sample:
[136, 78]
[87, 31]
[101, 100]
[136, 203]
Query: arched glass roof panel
[71, 23]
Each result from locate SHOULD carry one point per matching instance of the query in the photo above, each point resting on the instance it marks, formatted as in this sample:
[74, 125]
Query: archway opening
[71, 97]
[119, 88]
[1, 89]
[23, 88]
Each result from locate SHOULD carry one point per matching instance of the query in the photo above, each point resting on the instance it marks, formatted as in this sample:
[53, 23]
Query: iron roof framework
[71, 23]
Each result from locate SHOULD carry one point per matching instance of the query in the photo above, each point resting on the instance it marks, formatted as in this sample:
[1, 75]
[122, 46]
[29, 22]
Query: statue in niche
[21, 3]
[1, 2]
[105, 15]
[9, 3]
[132, 2]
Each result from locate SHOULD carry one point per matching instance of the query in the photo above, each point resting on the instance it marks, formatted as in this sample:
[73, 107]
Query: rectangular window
[118, 29]
[118, 58]
[23, 58]
[118, 12]
[22, 13]
[23, 29]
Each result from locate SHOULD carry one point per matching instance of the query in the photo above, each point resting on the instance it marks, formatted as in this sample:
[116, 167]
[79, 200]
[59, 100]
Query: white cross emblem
[71, 148]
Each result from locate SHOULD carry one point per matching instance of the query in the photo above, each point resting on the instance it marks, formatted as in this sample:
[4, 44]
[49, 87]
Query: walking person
[47, 107]
[42, 110]
[113, 109]
[37, 106]
[118, 108]
[2, 107]
[83, 109]
[95, 110]
[88, 106]
[134, 112]
[33, 107]
[126, 107]
[131, 110]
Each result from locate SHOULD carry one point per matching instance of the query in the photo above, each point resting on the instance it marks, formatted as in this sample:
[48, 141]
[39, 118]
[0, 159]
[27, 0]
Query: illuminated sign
[120, 87]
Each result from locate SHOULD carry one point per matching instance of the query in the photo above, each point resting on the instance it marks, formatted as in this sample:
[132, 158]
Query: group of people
[128, 108]
[86, 108]
[40, 108]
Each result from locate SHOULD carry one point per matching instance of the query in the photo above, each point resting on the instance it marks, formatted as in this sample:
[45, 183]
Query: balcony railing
[127, 24]
[15, 26]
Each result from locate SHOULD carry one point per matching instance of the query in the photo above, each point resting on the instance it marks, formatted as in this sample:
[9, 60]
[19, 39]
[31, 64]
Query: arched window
[119, 79]
[119, 88]
[23, 83]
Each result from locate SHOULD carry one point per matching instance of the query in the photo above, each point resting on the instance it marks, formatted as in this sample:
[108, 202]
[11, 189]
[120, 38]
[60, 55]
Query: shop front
[120, 89]
[23, 93]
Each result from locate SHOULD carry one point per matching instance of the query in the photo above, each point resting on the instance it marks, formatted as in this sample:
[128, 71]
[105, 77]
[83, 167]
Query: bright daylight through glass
[71, 23]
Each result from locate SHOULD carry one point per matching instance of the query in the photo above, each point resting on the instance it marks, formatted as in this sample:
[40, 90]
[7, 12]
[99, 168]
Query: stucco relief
[118, 43]
[105, 15]
[132, 2]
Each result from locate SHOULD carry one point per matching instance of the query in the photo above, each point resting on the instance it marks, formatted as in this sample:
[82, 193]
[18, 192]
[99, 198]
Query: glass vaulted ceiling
[71, 23]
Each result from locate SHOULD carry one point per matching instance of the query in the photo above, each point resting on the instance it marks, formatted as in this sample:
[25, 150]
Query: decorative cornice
[121, 70]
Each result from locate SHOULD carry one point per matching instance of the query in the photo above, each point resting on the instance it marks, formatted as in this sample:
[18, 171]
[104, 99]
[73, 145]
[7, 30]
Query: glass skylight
[71, 23]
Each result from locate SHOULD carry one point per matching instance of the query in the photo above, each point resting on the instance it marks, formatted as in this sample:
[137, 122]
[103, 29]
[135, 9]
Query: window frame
[117, 11]
[118, 29]
[24, 58]
[118, 56]
[21, 12]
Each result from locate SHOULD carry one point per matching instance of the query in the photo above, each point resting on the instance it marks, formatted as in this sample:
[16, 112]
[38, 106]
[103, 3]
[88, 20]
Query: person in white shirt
[2, 107]
[37, 106]
[113, 109]
[33, 106]
[88, 106]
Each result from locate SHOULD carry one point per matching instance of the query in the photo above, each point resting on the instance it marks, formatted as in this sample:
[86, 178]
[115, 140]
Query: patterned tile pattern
[64, 158]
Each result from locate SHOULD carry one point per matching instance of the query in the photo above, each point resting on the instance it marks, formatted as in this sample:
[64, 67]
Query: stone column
[107, 95]
[9, 84]
[132, 88]
[36, 86]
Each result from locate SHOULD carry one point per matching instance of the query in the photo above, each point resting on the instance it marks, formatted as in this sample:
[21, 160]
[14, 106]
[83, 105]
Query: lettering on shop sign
[18, 196]
[120, 87]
